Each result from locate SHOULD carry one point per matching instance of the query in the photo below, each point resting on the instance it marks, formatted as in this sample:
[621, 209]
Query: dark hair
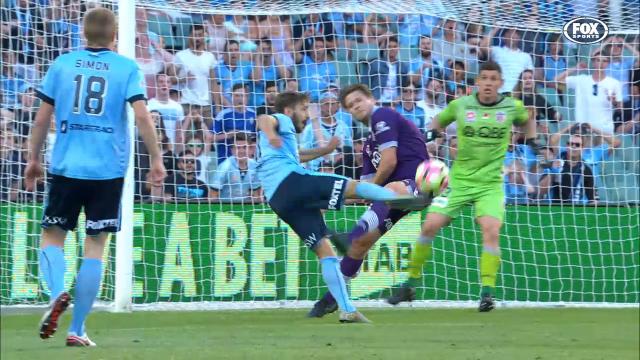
[264, 40]
[237, 86]
[185, 153]
[244, 136]
[392, 38]
[517, 90]
[164, 142]
[197, 27]
[270, 83]
[459, 62]
[319, 38]
[490, 66]
[351, 89]
[289, 99]
[422, 36]
[229, 42]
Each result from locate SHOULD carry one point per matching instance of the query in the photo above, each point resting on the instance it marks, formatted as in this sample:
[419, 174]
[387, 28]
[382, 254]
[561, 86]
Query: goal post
[206, 240]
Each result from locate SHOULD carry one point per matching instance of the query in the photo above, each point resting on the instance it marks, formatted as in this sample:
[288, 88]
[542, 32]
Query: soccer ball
[432, 176]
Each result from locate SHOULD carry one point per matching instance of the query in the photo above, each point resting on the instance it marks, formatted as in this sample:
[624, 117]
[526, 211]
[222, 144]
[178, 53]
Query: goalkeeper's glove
[431, 135]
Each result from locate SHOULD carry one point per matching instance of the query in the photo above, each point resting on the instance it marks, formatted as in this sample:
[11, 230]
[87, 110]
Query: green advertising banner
[192, 252]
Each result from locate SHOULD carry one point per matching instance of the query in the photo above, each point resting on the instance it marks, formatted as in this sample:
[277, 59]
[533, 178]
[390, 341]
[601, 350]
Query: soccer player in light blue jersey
[88, 91]
[297, 195]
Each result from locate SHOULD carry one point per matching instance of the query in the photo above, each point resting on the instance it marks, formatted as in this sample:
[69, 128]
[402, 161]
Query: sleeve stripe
[45, 98]
[387, 145]
[135, 98]
[367, 177]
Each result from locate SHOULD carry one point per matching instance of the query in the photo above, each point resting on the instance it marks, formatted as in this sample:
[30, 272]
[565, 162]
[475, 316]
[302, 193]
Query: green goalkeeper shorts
[488, 201]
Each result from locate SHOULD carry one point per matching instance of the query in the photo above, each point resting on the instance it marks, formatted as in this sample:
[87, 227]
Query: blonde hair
[100, 26]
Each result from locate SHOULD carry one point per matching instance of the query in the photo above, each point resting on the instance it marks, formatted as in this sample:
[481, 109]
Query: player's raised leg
[422, 253]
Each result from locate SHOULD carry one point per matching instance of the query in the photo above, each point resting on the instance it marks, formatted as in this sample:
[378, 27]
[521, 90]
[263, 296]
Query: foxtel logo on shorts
[585, 30]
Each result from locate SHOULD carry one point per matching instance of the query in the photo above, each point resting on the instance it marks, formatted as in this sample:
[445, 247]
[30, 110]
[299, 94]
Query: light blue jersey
[89, 89]
[275, 164]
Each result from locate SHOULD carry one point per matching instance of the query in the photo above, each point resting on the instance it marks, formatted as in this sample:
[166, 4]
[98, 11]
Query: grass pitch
[397, 334]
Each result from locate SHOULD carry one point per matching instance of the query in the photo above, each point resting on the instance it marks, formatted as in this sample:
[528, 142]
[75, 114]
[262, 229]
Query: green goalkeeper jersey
[484, 133]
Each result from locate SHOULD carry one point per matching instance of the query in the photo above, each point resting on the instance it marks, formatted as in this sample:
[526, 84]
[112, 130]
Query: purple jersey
[390, 129]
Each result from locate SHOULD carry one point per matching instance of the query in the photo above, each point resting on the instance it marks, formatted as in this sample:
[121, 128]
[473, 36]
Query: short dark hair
[490, 66]
[237, 86]
[270, 83]
[229, 42]
[351, 89]
[264, 40]
[244, 136]
[185, 153]
[394, 39]
[289, 99]
[319, 38]
[197, 27]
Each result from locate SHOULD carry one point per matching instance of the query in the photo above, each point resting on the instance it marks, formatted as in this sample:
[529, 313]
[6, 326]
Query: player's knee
[397, 187]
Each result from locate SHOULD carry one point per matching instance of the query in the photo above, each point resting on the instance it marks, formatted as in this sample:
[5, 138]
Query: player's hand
[32, 172]
[334, 142]
[276, 142]
[157, 173]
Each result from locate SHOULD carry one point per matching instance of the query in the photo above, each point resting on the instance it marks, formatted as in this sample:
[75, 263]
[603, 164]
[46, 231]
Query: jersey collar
[97, 49]
[500, 98]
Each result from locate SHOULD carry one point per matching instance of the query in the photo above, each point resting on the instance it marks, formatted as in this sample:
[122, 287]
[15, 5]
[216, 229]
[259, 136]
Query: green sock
[421, 254]
[489, 265]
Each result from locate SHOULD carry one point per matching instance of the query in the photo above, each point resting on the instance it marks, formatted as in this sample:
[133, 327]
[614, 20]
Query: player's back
[89, 90]
[275, 164]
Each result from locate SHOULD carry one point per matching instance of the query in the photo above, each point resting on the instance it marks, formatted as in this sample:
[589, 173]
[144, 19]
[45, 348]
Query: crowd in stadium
[209, 76]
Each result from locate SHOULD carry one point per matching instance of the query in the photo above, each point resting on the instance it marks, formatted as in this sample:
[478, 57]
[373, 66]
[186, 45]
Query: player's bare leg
[489, 260]
[356, 244]
[52, 268]
[421, 253]
[336, 284]
[87, 287]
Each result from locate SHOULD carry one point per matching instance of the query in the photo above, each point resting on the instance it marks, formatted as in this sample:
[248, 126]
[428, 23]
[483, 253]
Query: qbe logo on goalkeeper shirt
[585, 30]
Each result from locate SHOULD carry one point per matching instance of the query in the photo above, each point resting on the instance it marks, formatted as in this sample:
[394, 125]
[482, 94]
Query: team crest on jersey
[501, 116]
[381, 127]
[486, 116]
[471, 116]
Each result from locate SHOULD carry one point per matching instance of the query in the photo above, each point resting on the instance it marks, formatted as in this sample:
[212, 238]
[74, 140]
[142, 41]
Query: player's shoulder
[385, 115]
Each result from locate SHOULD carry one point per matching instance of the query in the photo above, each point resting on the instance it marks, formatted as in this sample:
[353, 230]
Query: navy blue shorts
[299, 199]
[99, 198]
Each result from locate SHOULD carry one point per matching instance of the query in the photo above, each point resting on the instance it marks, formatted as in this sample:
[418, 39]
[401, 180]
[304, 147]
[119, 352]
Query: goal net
[206, 239]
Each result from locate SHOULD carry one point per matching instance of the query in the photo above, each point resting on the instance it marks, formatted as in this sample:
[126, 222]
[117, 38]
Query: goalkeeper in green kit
[484, 121]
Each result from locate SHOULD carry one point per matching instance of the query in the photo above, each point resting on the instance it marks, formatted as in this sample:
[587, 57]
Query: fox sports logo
[585, 30]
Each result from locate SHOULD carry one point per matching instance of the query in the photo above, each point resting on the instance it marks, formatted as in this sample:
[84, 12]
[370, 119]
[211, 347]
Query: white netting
[207, 236]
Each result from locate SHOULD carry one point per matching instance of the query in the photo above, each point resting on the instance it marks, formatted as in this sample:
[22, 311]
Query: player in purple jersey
[391, 155]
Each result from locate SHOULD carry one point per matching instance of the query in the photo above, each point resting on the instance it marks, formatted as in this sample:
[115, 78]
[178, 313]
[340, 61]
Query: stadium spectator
[236, 179]
[519, 163]
[351, 163]
[384, 75]
[200, 149]
[319, 132]
[597, 95]
[183, 185]
[65, 27]
[231, 72]
[25, 113]
[194, 67]
[270, 93]
[596, 146]
[456, 80]
[575, 180]
[26, 33]
[620, 66]
[448, 42]
[217, 34]
[407, 106]
[413, 26]
[278, 30]
[630, 123]
[142, 163]
[425, 66]
[433, 101]
[192, 126]
[150, 53]
[554, 61]
[11, 164]
[267, 68]
[317, 71]
[511, 59]
[379, 28]
[310, 27]
[172, 112]
[525, 90]
[11, 84]
[292, 85]
[230, 121]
